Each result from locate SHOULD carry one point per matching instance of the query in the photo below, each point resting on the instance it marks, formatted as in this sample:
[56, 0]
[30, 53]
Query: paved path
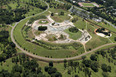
[51, 59]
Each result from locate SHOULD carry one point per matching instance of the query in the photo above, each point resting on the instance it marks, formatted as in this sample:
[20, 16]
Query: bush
[114, 38]
[94, 57]
[42, 28]
[73, 29]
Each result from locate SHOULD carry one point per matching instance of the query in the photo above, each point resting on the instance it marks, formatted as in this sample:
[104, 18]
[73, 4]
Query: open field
[82, 4]
[7, 65]
[74, 36]
[57, 17]
[32, 48]
[32, 9]
[107, 26]
[96, 40]
[80, 23]
[87, 4]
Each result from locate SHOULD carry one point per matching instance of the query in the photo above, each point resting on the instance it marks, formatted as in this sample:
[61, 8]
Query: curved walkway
[51, 59]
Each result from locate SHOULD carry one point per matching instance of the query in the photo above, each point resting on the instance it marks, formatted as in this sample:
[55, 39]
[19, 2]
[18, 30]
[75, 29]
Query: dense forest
[57, 5]
[10, 14]
[27, 67]
[7, 48]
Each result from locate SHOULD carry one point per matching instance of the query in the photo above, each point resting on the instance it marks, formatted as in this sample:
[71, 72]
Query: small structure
[97, 20]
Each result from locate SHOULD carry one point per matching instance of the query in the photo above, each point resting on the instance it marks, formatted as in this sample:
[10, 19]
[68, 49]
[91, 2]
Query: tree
[76, 76]
[70, 63]
[52, 70]
[83, 57]
[114, 38]
[31, 65]
[38, 70]
[46, 68]
[5, 73]
[87, 63]
[87, 72]
[104, 67]
[94, 66]
[51, 64]
[109, 68]
[61, 13]
[17, 68]
[52, 14]
[17, 74]
[42, 28]
[65, 61]
[69, 71]
[73, 30]
[94, 57]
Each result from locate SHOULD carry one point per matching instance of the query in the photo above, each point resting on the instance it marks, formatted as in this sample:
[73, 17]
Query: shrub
[73, 29]
[42, 28]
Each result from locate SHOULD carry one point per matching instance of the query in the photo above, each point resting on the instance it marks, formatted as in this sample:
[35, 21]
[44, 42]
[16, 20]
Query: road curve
[51, 59]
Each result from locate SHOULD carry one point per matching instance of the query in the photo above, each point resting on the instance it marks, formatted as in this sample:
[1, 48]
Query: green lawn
[7, 65]
[107, 26]
[112, 37]
[80, 23]
[33, 10]
[96, 40]
[42, 22]
[74, 36]
[88, 5]
[40, 50]
[57, 17]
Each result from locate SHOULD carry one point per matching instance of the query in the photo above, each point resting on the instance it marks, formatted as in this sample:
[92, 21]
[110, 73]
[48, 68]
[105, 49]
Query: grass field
[33, 10]
[7, 65]
[80, 23]
[74, 36]
[87, 4]
[107, 26]
[96, 40]
[40, 50]
[57, 17]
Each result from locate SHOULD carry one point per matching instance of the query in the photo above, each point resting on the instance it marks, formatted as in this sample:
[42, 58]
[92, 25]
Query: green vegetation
[7, 47]
[27, 32]
[88, 4]
[51, 37]
[74, 36]
[36, 18]
[97, 64]
[96, 40]
[73, 30]
[42, 28]
[14, 11]
[43, 22]
[60, 18]
[57, 16]
[64, 51]
[22, 65]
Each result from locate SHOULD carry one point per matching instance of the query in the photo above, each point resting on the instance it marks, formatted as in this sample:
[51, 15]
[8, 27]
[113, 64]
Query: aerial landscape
[57, 38]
